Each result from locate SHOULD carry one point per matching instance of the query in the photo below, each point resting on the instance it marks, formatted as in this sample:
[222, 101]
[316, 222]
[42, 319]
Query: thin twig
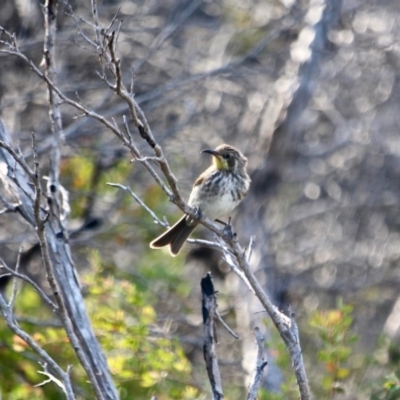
[38, 322]
[139, 201]
[204, 242]
[230, 260]
[250, 248]
[26, 278]
[51, 377]
[225, 325]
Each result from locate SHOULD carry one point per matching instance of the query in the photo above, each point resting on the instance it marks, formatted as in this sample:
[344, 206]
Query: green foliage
[335, 347]
[77, 172]
[332, 342]
[78, 175]
[390, 389]
[142, 358]
[386, 359]
[20, 373]
[265, 395]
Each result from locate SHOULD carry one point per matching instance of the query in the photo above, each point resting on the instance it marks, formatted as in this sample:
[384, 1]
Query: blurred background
[309, 92]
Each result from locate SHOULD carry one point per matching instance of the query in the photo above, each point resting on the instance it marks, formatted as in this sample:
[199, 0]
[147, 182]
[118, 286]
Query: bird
[215, 194]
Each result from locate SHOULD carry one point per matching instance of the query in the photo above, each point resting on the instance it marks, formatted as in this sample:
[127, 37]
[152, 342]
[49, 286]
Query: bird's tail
[175, 236]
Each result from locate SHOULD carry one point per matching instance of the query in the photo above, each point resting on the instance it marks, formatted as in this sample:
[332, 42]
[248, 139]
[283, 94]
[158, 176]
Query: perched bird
[216, 193]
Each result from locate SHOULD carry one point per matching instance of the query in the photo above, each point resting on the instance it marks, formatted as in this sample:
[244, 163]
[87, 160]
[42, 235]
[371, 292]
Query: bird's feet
[193, 220]
[197, 213]
[228, 230]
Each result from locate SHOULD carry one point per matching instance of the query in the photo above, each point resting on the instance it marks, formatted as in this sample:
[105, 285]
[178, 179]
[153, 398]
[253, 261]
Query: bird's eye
[226, 156]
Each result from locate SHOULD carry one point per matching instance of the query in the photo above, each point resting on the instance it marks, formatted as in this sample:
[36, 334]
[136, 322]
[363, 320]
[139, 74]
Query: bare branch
[209, 306]
[206, 243]
[225, 325]
[38, 322]
[26, 278]
[95, 15]
[51, 377]
[232, 262]
[250, 248]
[261, 363]
[140, 202]
[18, 158]
[50, 24]
[285, 325]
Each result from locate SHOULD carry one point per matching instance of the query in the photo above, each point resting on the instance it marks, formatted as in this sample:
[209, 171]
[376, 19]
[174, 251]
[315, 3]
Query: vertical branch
[50, 24]
[209, 308]
[286, 326]
[261, 363]
[24, 185]
[53, 238]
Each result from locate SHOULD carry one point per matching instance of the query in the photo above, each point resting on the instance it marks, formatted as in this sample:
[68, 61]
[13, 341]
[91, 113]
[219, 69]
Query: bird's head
[226, 157]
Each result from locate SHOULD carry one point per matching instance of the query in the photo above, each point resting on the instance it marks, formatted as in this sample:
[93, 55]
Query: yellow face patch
[219, 162]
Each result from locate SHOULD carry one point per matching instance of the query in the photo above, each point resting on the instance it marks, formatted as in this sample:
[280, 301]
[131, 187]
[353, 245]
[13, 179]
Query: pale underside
[217, 204]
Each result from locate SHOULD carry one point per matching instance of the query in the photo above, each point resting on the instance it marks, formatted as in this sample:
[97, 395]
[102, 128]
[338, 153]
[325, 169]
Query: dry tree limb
[286, 325]
[209, 308]
[261, 363]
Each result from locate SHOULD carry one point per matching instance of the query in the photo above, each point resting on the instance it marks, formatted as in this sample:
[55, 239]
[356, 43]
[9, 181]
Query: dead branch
[261, 363]
[209, 307]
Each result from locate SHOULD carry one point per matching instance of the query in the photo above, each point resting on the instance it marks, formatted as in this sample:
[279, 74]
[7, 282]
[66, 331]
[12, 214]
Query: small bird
[216, 193]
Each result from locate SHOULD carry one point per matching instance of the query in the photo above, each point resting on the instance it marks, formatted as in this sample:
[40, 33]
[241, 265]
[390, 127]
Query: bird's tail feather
[175, 236]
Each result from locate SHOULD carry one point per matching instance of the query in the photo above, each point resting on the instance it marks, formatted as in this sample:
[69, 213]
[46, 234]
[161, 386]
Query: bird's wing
[203, 176]
[199, 180]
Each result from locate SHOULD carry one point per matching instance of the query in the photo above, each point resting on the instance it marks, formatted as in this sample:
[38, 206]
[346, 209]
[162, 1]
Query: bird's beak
[212, 152]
